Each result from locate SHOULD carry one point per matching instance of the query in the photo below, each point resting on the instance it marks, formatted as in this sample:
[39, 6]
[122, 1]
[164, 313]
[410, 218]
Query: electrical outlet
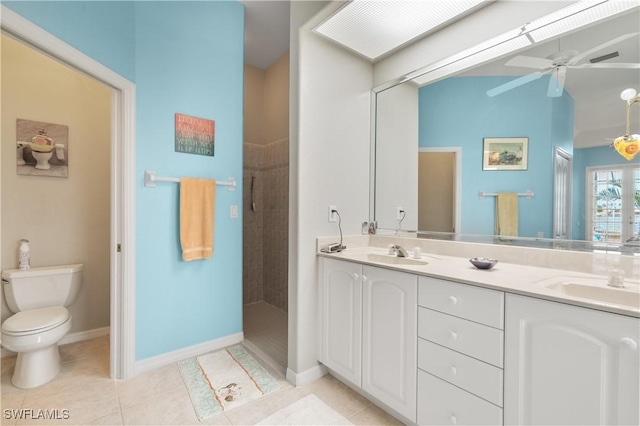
[332, 213]
[400, 213]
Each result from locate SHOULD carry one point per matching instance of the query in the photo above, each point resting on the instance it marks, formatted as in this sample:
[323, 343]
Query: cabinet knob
[454, 370]
[453, 335]
[364, 277]
[356, 276]
[453, 300]
[453, 419]
[629, 343]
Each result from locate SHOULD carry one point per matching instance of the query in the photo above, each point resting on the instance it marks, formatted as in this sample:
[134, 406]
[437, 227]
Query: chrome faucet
[398, 250]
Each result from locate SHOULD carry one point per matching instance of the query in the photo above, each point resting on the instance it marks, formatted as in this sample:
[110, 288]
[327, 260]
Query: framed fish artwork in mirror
[505, 154]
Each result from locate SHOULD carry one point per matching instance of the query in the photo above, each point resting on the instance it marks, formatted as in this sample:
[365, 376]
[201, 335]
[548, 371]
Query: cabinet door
[389, 338]
[569, 365]
[341, 318]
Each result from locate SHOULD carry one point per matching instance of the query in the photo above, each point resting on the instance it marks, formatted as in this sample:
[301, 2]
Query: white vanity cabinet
[341, 318]
[368, 336]
[439, 352]
[569, 365]
[389, 338]
[460, 354]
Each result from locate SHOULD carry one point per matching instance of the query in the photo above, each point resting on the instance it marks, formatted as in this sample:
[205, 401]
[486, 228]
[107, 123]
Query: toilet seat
[35, 321]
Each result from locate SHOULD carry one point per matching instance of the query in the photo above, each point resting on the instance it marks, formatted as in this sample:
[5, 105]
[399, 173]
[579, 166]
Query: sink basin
[389, 260]
[598, 291]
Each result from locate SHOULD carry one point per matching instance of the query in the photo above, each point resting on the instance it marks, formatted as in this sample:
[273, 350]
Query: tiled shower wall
[253, 226]
[266, 228]
[276, 223]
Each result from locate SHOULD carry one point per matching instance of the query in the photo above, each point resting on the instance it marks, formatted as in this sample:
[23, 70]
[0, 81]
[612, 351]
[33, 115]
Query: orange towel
[197, 209]
[507, 214]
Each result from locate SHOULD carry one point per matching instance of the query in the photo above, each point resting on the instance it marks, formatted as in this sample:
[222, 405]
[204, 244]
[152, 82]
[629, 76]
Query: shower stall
[266, 210]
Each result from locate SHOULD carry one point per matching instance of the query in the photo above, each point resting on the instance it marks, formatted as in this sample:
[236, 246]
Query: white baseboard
[188, 352]
[78, 336]
[307, 376]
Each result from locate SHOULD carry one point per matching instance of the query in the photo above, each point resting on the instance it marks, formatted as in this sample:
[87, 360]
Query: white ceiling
[599, 112]
[266, 35]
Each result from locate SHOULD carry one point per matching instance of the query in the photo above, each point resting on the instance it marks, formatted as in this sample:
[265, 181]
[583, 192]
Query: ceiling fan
[557, 65]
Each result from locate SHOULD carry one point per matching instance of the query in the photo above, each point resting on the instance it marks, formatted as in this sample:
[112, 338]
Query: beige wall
[436, 172]
[67, 220]
[276, 100]
[266, 158]
[253, 123]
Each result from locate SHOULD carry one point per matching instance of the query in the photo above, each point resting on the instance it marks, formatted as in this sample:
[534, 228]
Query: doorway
[122, 182]
[266, 211]
[438, 189]
[562, 184]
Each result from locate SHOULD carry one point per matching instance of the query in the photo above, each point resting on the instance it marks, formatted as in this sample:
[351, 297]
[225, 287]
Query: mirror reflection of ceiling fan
[557, 65]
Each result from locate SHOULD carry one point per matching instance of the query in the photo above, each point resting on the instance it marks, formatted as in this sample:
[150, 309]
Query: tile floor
[265, 326]
[157, 397]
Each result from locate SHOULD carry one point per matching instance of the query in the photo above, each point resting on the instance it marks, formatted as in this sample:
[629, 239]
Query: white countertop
[509, 277]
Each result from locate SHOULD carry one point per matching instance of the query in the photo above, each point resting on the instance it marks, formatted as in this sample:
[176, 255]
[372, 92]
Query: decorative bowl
[483, 263]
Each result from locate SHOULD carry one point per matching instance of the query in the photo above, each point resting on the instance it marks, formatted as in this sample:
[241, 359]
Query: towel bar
[528, 194]
[150, 180]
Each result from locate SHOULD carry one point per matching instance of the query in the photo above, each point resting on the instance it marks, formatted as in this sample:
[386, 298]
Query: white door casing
[122, 249]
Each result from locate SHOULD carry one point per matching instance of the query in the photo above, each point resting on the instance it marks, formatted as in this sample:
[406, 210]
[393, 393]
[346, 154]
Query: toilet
[42, 159]
[38, 297]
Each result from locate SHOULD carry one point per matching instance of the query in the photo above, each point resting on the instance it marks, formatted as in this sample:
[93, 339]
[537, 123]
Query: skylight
[375, 28]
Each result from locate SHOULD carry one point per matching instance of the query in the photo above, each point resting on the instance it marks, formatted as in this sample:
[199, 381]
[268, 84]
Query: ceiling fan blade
[529, 62]
[607, 66]
[556, 82]
[514, 83]
[586, 53]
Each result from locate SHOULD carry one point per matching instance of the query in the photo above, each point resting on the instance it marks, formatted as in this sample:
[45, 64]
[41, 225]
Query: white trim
[78, 336]
[123, 181]
[372, 157]
[188, 352]
[562, 204]
[457, 185]
[627, 189]
[310, 375]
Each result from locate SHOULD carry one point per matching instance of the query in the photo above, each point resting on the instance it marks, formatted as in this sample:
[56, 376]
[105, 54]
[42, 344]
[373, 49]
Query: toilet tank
[41, 287]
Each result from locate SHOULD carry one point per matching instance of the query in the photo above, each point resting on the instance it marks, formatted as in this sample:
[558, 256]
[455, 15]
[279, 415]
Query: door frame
[562, 198]
[122, 227]
[457, 188]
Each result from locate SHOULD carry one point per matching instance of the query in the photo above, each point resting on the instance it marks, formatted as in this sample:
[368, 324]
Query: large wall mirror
[444, 149]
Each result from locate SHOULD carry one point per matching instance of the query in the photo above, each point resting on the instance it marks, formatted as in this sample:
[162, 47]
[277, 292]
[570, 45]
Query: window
[613, 204]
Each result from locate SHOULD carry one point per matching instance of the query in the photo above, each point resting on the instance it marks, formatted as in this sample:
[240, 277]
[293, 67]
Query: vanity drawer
[441, 403]
[477, 377]
[473, 339]
[465, 301]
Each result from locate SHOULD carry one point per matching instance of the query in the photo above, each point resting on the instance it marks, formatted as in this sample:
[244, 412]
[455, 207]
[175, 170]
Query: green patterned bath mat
[224, 380]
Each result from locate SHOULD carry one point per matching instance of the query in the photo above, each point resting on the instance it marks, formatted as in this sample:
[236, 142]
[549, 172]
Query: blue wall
[103, 30]
[457, 112]
[185, 57]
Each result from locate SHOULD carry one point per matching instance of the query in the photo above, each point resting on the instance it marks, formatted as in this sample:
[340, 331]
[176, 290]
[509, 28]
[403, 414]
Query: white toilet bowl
[34, 334]
[43, 159]
[38, 297]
